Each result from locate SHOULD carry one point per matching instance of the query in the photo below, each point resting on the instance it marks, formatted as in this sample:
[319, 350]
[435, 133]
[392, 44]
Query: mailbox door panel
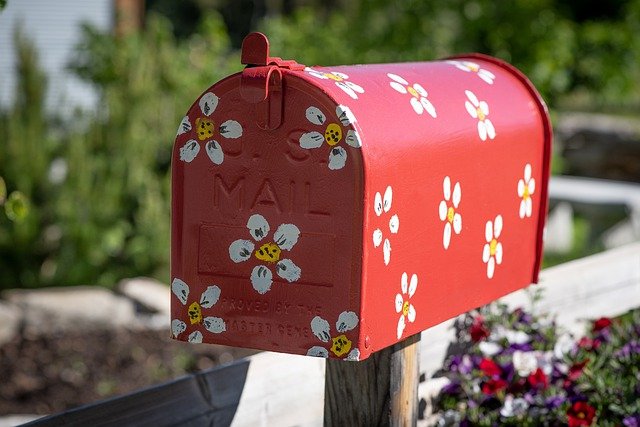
[264, 231]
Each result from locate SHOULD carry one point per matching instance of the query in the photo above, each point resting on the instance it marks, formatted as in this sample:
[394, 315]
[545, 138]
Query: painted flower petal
[446, 235]
[429, 108]
[189, 150]
[195, 337]
[286, 236]
[491, 266]
[185, 126]
[532, 186]
[315, 73]
[377, 204]
[520, 188]
[347, 320]
[401, 325]
[421, 90]
[523, 208]
[399, 303]
[488, 231]
[499, 253]
[177, 327]
[487, 76]
[241, 250]
[214, 151]
[527, 172]
[288, 270]
[258, 227]
[404, 283]
[394, 224]
[457, 195]
[317, 351]
[486, 253]
[497, 226]
[528, 207]
[386, 251]
[482, 130]
[471, 109]
[337, 158]
[398, 87]
[473, 98]
[355, 87]
[214, 324]
[315, 116]
[446, 189]
[491, 131]
[345, 115]
[180, 289]
[388, 199]
[484, 107]
[377, 237]
[442, 210]
[413, 285]
[346, 89]
[231, 129]
[210, 296]
[311, 140]
[339, 74]
[397, 78]
[353, 356]
[261, 279]
[417, 106]
[353, 139]
[457, 223]
[411, 316]
[208, 103]
[320, 329]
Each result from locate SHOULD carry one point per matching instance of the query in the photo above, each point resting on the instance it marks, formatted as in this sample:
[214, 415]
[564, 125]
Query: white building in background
[54, 26]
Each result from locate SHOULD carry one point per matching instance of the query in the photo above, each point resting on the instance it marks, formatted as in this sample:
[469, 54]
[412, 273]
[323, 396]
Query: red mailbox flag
[333, 211]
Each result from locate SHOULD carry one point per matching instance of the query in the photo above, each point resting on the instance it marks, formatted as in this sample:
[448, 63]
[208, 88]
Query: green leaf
[17, 206]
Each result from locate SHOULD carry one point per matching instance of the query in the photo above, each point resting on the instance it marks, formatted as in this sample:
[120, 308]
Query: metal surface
[396, 196]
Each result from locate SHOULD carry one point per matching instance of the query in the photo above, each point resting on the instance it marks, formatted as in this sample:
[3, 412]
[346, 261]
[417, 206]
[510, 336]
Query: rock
[150, 294]
[10, 317]
[72, 309]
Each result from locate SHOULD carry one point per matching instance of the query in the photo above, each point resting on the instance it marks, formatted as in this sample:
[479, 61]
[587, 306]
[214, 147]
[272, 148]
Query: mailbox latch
[261, 81]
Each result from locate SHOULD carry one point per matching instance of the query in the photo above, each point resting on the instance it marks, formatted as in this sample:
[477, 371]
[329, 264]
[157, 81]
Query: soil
[50, 374]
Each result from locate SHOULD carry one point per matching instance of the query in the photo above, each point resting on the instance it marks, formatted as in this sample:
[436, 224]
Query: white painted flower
[418, 94]
[340, 344]
[514, 407]
[480, 110]
[334, 133]
[472, 67]
[284, 239]
[381, 206]
[340, 79]
[525, 362]
[206, 129]
[403, 306]
[492, 251]
[448, 211]
[208, 299]
[526, 188]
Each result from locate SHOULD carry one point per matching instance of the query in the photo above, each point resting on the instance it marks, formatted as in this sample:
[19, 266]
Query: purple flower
[521, 347]
[630, 348]
[453, 388]
[554, 402]
[632, 420]
[461, 364]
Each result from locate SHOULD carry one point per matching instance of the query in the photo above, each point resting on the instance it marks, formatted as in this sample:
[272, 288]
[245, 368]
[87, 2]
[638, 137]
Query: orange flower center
[333, 77]
[481, 115]
[413, 92]
[405, 308]
[492, 247]
[526, 194]
[450, 214]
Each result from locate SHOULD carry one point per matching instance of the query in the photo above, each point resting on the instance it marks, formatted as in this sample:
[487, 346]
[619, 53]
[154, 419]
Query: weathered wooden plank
[405, 378]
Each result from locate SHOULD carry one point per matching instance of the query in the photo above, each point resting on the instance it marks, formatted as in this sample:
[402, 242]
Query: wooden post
[380, 391]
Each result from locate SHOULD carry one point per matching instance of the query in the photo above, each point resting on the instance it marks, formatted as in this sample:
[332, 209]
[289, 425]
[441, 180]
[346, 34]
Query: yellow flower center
[333, 77]
[450, 213]
[413, 92]
[269, 252]
[333, 134]
[204, 128]
[526, 194]
[481, 115]
[473, 67]
[195, 313]
[341, 345]
[405, 308]
[492, 247]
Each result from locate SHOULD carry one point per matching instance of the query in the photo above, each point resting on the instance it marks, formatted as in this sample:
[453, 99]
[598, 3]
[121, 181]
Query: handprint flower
[492, 250]
[340, 79]
[208, 299]
[480, 110]
[403, 306]
[472, 67]
[526, 188]
[448, 211]
[340, 344]
[381, 205]
[418, 94]
[284, 239]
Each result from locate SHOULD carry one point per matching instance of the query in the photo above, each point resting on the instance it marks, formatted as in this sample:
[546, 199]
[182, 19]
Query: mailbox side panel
[266, 223]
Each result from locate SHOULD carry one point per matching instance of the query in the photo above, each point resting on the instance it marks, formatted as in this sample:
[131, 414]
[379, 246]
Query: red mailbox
[334, 211]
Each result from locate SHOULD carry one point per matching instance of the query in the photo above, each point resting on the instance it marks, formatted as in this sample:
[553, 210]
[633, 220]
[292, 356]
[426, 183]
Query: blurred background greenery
[86, 199]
